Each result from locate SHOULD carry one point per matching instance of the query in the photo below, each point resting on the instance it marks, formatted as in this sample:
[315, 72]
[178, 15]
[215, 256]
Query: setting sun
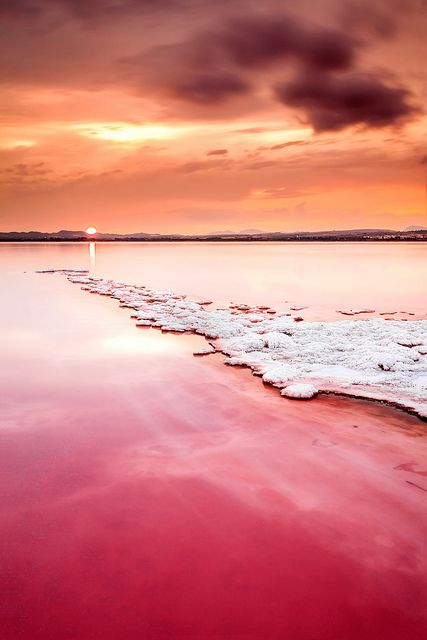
[90, 231]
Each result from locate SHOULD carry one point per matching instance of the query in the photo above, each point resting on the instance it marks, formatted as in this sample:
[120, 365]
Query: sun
[90, 231]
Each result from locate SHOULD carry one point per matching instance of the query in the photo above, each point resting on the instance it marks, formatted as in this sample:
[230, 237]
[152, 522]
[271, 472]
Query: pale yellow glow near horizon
[90, 230]
[128, 133]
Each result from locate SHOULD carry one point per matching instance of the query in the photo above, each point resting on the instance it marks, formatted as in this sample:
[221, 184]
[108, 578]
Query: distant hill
[415, 228]
[245, 235]
[229, 232]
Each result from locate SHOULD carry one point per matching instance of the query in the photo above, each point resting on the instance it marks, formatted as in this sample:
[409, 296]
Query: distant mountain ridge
[64, 235]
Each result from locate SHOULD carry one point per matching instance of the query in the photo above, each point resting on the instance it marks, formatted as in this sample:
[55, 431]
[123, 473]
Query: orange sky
[199, 116]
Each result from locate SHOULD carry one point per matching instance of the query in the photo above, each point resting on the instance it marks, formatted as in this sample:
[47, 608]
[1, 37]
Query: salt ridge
[373, 358]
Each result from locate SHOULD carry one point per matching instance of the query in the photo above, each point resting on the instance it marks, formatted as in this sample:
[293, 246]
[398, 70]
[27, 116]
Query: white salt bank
[299, 391]
[372, 358]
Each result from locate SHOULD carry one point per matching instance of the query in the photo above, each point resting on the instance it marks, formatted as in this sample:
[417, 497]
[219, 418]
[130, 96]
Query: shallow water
[324, 277]
[150, 494]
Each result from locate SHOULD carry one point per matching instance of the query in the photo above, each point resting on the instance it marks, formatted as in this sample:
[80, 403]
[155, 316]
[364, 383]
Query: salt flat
[375, 358]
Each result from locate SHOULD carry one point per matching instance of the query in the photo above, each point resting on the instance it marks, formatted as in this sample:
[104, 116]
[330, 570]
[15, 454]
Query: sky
[197, 116]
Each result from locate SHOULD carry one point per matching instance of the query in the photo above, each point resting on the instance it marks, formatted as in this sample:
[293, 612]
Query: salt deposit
[354, 312]
[373, 358]
[299, 391]
[204, 352]
[66, 271]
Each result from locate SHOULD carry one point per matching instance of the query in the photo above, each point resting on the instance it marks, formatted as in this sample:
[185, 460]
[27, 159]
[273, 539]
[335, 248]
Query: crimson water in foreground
[148, 493]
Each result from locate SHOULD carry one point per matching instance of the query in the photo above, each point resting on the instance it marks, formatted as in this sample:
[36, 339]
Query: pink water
[150, 494]
[323, 277]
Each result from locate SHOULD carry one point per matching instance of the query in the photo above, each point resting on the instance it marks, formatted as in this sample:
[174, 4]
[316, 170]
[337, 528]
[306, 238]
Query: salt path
[371, 358]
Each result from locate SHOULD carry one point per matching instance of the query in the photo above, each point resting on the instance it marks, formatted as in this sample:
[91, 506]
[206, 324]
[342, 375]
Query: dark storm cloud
[240, 55]
[212, 66]
[250, 44]
[334, 102]
[259, 41]
[212, 59]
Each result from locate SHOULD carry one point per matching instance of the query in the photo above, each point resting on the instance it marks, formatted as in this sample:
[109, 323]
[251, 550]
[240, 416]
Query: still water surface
[146, 493]
[322, 276]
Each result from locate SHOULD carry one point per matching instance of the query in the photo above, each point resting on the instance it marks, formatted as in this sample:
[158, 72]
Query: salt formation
[354, 312]
[66, 271]
[300, 391]
[373, 358]
[204, 352]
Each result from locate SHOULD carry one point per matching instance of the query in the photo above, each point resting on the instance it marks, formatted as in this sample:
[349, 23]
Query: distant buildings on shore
[351, 235]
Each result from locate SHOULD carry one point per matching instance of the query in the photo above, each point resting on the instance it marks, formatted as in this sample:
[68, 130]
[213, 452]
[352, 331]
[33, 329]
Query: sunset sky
[201, 116]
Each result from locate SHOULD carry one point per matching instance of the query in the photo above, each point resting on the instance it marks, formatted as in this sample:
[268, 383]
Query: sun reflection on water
[92, 255]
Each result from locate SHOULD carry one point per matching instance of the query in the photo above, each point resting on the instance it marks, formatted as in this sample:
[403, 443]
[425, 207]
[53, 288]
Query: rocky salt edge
[372, 358]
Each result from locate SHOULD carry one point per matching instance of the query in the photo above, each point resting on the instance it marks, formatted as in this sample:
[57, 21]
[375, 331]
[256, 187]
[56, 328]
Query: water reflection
[149, 494]
[92, 255]
[322, 276]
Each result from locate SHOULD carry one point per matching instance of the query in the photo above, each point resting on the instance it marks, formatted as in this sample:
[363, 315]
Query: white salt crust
[354, 312]
[372, 358]
[204, 352]
[299, 391]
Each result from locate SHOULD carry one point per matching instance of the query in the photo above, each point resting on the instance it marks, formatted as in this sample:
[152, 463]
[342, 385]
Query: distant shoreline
[421, 238]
